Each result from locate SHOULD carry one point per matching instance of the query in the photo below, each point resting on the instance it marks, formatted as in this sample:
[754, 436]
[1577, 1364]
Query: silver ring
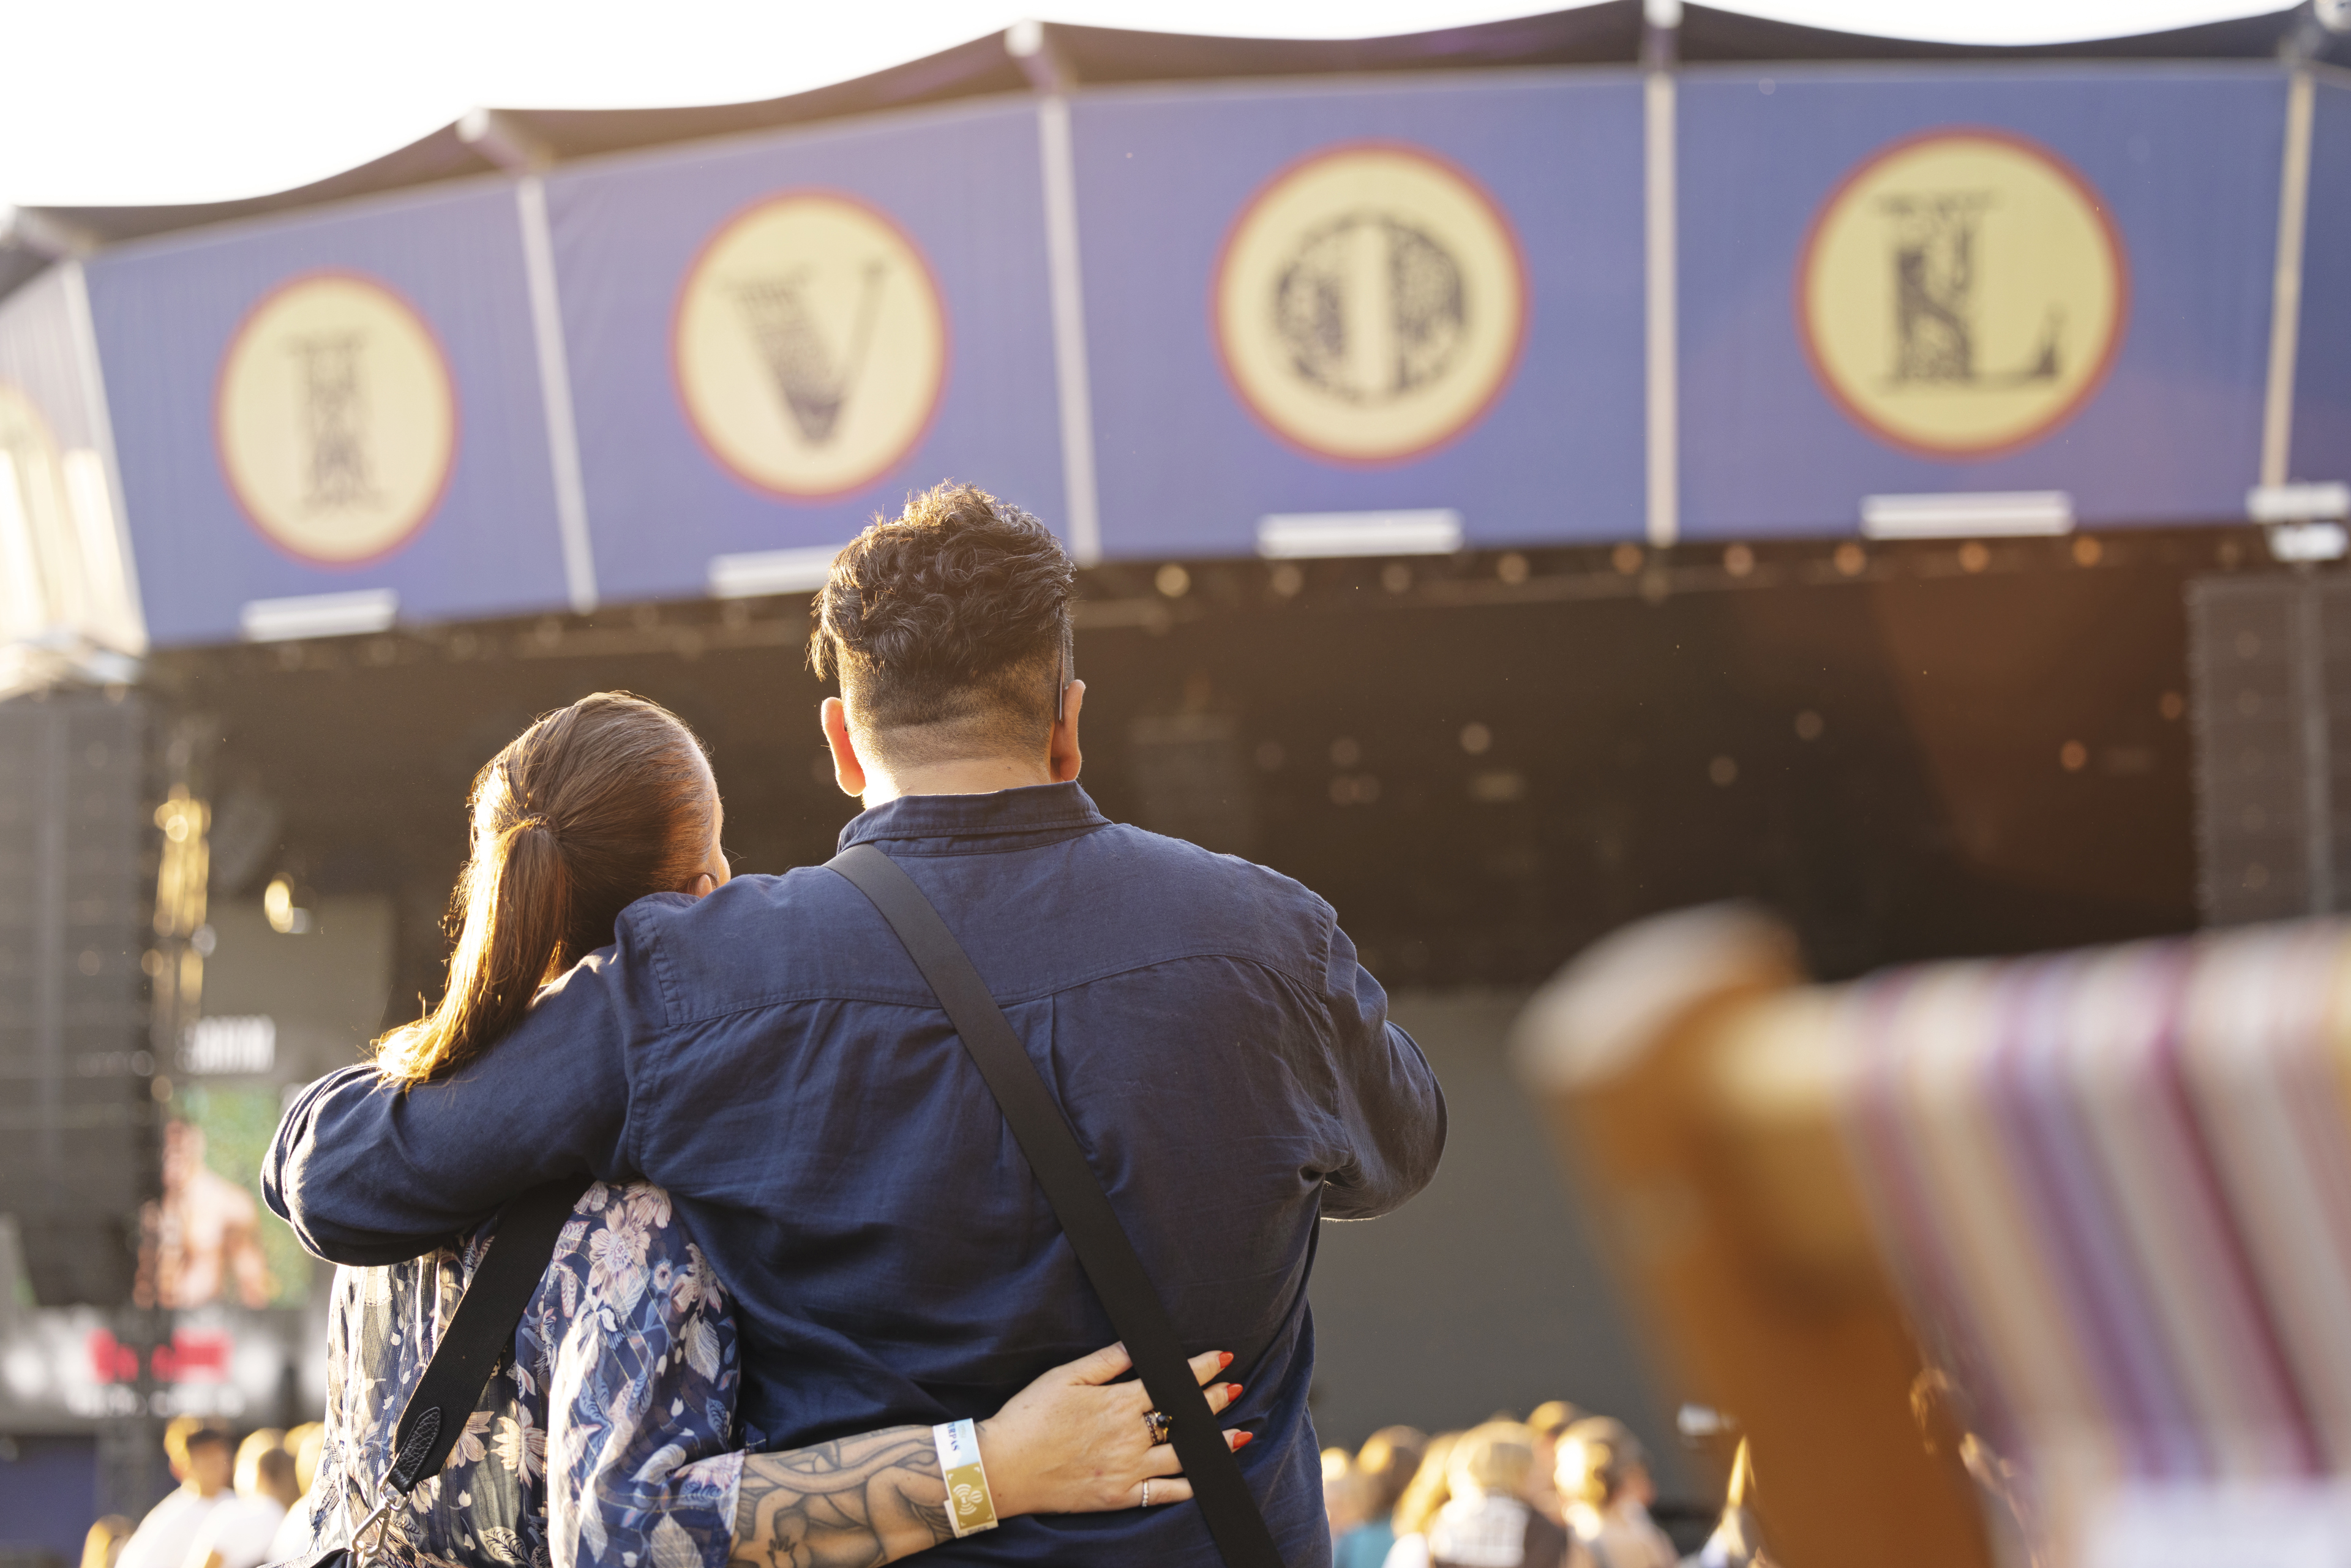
[1159, 1424]
[1146, 1494]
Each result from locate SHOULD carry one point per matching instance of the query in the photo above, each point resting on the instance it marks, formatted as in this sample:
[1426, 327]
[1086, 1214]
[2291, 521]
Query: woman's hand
[1075, 1442]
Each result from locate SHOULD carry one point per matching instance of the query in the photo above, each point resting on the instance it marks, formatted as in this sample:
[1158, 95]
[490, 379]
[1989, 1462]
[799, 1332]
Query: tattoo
[852, 1503]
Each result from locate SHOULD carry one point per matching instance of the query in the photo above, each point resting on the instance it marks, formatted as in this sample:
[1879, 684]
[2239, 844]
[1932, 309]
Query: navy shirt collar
[970, 824]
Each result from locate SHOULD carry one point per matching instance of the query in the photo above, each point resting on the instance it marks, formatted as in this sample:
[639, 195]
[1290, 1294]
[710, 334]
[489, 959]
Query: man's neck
[959, 776]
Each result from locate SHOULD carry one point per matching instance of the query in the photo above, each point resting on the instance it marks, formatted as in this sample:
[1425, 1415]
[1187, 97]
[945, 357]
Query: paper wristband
[970, 1508]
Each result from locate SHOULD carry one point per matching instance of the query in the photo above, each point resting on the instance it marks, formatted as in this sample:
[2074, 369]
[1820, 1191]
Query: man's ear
[847, 770]
[1063, 758]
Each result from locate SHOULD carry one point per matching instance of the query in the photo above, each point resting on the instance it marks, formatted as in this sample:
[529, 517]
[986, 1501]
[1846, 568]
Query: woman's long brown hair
[590, 809]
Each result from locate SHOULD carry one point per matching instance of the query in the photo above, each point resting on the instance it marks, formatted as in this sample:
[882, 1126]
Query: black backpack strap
[482, 1330]
[1078, 1202]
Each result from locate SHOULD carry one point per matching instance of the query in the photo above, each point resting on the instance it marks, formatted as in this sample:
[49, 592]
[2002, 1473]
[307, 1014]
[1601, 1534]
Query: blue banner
[1904, 282]
[346, 404]
[2321, 448]
[1352, 318]
[1305, 304]
[773, 338]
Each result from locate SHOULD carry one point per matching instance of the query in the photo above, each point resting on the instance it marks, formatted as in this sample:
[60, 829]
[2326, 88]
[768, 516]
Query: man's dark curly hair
[946, 627]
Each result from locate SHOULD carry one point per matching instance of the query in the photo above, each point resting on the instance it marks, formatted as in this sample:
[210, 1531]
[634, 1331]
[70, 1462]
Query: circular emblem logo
[811, 344]
[1370, 303]
[1962, 293]
[336, 419]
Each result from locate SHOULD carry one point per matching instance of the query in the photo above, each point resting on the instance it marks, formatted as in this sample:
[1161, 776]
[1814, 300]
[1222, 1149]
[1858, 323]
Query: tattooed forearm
[852, 1503]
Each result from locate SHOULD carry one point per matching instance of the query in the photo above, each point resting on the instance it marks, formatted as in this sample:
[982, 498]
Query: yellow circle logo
[811, 345]
[1370, 303]
[336, 419]
[1962, 293]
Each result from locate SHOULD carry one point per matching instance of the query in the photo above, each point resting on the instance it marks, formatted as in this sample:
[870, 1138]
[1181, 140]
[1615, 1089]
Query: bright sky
[124, 101]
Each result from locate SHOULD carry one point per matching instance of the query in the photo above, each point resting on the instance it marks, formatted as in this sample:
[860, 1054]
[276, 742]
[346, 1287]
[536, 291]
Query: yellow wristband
[970, 1508]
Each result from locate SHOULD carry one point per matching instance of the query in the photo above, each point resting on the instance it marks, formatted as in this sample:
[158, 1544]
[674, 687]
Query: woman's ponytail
[590, 809]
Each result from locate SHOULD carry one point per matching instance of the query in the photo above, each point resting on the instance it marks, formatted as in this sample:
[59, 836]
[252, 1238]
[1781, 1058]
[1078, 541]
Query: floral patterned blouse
[604, 1441]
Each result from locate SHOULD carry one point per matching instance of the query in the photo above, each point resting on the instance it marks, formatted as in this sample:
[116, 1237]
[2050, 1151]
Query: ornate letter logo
[1370, 303]
[811, 345]
[336, 419]
[1962, 293]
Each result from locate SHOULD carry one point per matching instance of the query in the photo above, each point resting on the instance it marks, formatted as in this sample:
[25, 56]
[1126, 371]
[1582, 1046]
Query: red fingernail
[1243, 1441]
[1224, 1359]
[1232, 1392]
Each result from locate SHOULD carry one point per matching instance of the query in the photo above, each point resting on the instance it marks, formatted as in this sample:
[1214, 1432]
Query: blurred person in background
[203, 1461]
[1551, 1418]
[304, 1442]
[245, 1477]
[1344, 1494]
[206, 1231]
[1550, 1421]
[103, 1545]
[1738, 1540]
[1430, 1486]
[1603, 1475]
[1486, 1522]
[1386, 1464]
[242, 1531]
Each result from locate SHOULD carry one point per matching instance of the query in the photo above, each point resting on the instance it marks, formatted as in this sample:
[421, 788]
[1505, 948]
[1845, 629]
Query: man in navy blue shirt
[771, 1055]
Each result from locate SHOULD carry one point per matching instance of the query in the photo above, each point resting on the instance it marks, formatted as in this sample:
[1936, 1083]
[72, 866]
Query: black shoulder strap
[1078, 1202]
[482, 1330]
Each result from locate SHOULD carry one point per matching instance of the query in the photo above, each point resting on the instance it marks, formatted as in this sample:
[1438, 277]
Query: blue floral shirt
[609, 1439]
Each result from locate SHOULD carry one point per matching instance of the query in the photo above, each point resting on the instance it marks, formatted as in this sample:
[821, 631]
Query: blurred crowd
[234, 1507]
[1559, 1490]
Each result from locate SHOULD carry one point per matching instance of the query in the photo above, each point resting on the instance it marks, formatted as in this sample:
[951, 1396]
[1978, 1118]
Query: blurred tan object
[2110, 1189]
[1602, 1476]
[1707, 1135]
[103, 1545]
[305, 1443]
[1493, 1457]
[1551, 1417]
[1430, 1489]
[1346, 1492]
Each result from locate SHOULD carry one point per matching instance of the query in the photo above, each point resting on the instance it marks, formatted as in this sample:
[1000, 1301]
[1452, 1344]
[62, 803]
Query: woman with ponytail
[609, 1436]
[590, 809]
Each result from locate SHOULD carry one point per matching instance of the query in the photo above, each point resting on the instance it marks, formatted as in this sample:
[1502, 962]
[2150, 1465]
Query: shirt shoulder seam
[923, 998]
[1034, 834]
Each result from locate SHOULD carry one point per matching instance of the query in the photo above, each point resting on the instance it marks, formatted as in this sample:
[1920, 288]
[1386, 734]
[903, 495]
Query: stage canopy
[1569, 279]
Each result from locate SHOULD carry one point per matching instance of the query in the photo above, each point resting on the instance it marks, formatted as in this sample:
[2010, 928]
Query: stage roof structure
[1608, 33]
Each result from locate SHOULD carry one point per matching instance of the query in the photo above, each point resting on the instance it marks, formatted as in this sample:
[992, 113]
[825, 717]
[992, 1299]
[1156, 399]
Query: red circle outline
[726, 226]
[220, 437]
[1478, 190]
[2091, 385]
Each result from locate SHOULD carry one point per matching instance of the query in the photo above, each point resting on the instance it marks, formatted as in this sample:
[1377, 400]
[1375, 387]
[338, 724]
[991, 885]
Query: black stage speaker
[78, 1147]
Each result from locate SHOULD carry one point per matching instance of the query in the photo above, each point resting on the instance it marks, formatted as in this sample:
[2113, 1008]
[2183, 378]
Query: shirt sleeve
[641, 1396]
[1386, 1098]
[370, 1175]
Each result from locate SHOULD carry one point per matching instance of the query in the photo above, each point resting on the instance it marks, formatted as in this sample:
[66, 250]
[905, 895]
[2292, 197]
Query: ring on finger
[1146, 1494]
[1159, 1424]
